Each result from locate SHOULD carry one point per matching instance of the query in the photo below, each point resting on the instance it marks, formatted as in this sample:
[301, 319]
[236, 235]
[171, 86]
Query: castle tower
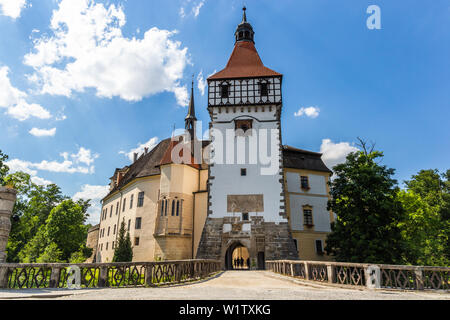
[246, 197]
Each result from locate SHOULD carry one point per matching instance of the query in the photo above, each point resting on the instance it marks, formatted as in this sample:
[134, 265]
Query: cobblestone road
[231, 285]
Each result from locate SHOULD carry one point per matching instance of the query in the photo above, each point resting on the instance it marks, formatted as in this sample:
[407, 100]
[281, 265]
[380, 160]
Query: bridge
[228, 285]
[204, 280]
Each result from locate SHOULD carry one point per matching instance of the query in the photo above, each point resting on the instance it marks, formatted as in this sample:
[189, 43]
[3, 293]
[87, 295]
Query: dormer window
[224, 91]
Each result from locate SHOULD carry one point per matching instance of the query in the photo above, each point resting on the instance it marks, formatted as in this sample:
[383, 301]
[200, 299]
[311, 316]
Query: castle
[241, 193]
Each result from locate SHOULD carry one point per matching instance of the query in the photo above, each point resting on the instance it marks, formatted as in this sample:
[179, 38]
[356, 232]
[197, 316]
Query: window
[263, 88]
[243, 172]
[162, 207]
[319, 247]
[245, 216]
[165, 207]
[224, 91]
[138, 223]
[129, 224]
[113, 245]
[244, 125]
[107, 245]
[131, 201]
[173, 208]
[114, 229]
[124, 204]
[111, 211]
[296, 244]
[136, 242]
[101, 248]
[140, 199]
[178, 208]
[117, 208]
[307, 216]
[304, 182]
[109, 229]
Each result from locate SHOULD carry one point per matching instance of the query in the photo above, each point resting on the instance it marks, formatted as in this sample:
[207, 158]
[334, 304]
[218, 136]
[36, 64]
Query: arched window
[162, 208]
[173, 208]
[165, 208]
[178, 208]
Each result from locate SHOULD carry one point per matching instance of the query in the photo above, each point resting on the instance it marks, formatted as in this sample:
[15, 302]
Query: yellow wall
[306, 245]
[201, 207]
[145, 250]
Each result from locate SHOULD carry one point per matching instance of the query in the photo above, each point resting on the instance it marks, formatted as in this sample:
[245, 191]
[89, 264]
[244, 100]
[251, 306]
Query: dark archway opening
[237, 257]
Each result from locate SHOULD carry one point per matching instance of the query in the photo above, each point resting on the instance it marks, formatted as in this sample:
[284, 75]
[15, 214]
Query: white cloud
[201, 83]
[80, 163]
[43, 132]
[15, 102]
[12, 8]
[195, 7]
[16, 165]
[95, 193]
[84, 156]
[88, 50]
[40, 181]
[335, 153]
[311, 112]
[151, 144]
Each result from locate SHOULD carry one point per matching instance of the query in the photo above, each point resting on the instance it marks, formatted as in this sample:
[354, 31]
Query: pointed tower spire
[244, 31]
[191, 119]
[244, 17]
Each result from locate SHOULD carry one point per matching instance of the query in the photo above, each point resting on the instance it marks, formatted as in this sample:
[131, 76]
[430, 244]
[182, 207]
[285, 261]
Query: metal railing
[98, 275]
[373, 276]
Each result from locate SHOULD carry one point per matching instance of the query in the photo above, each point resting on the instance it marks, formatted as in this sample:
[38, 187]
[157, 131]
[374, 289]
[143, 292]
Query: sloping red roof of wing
[167, 158]
[244, 63]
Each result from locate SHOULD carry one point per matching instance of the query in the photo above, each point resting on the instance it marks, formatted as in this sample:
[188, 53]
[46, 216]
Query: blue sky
[78, 95]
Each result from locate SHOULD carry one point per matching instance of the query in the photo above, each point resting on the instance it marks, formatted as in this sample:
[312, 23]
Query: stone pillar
[7, 201]
[373, 277]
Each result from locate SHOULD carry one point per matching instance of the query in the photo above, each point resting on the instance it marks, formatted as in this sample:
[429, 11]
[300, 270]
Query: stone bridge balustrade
[97, 275]
[372, 276]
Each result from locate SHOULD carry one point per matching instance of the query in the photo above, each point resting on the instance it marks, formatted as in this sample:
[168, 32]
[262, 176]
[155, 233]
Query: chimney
[135, 157]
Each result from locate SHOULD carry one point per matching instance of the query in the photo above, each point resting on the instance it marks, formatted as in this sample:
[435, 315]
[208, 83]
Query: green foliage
[123, 251]
[368, 212]
[81, 255]
[426, 227]
[51, 254]
[3, 168]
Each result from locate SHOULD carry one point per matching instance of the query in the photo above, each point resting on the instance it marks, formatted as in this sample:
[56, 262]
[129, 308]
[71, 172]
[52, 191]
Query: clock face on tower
[253, 91]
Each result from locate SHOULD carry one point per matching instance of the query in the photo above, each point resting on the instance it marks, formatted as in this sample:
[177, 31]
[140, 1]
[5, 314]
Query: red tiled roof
[167, 158]
[244, 63]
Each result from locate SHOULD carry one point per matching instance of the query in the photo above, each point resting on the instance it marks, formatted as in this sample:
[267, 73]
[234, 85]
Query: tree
[363, 196]
[123, 251]
[426, 227]
[3, 168]
[33, 206]
[64, 232]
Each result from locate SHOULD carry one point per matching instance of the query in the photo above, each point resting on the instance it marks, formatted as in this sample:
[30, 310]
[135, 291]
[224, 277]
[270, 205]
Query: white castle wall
[227, 177]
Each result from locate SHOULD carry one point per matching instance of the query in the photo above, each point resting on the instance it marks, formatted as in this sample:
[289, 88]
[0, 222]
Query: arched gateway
[237, 257]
